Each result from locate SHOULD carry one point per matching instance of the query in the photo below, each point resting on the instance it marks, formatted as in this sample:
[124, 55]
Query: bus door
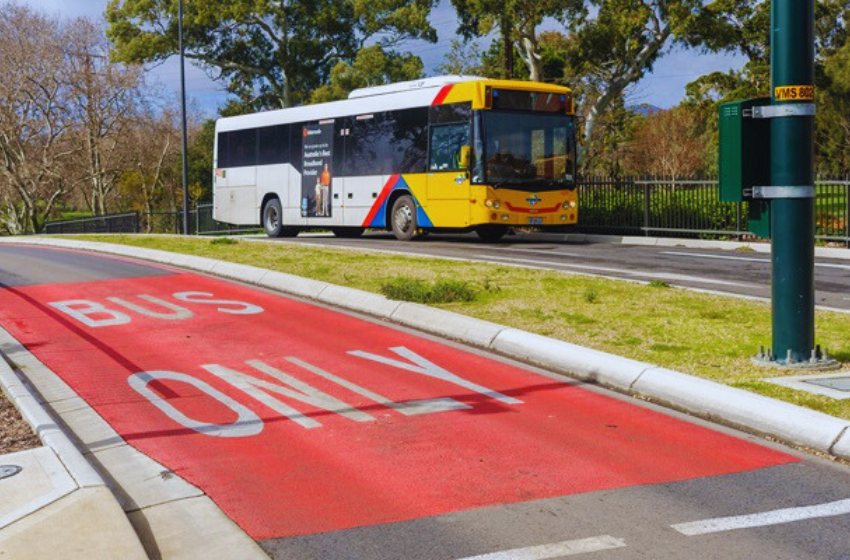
[368, 163]
[449, 138]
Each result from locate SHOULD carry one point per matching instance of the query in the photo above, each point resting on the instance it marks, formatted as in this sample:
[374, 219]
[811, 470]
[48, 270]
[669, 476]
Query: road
[327, 435]
[725, 271]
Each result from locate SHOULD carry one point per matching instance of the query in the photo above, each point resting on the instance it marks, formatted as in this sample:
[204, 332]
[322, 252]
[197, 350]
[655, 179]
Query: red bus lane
[296, 419]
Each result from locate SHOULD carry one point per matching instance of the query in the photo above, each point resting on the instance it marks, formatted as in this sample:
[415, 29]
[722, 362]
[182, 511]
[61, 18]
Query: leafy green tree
[200, 156]
[743, 27]
[617, 43]
[371, 67]
[270, 54]
[517, 22]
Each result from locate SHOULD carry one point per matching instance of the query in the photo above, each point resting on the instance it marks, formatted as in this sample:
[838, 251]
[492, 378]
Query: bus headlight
[569, 204]
[497, 204]
[490, 203]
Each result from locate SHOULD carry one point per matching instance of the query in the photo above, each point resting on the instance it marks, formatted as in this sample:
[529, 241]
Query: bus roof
[404, 95]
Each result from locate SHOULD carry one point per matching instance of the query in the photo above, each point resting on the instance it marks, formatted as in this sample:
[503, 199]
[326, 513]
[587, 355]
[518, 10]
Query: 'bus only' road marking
[775, 517]
[554, 550]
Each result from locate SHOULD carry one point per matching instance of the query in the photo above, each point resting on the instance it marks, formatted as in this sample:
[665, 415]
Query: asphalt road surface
[718, 270]
[326, 435]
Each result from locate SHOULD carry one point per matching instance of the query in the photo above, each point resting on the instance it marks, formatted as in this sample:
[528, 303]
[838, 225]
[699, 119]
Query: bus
[444, 154]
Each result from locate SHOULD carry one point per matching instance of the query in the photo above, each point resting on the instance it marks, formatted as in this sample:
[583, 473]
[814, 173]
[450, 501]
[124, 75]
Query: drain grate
[834, 385]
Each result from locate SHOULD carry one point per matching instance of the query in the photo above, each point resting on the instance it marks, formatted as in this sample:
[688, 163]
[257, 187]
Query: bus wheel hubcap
[271, 218]
[403, 218]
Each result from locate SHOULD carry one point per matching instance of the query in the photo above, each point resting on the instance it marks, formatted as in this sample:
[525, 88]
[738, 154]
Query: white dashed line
[636, 273]
[775, 517]
[554, 550]
[746, 259]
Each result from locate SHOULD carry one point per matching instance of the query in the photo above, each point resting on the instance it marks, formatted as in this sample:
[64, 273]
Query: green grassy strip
[704, 335]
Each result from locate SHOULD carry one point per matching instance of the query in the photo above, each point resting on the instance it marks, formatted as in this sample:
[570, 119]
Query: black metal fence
[686, 208]
[201, 222]
[110, 223]
[691, 208]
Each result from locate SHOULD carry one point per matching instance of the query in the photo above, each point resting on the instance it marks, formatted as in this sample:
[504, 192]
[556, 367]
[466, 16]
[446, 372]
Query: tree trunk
[508, 46]
[532, 59]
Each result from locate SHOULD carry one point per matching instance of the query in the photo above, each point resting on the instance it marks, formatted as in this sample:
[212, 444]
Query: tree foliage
[270, 54]
[371, 67]
[516, 22]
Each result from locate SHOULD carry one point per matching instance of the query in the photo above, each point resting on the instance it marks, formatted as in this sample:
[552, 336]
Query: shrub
[223, 241]
[442, 291]
[591, 295]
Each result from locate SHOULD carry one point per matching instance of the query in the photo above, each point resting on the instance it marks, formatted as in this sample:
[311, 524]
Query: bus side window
[446, 143]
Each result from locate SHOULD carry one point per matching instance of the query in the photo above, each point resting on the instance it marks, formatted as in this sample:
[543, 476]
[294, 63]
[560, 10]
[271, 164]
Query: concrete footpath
[57, 506]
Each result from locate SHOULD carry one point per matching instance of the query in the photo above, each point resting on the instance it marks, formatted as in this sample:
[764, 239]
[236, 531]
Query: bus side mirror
[465, 156]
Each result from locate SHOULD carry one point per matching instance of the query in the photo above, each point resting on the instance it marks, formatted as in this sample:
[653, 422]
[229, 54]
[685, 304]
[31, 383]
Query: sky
[664, 87]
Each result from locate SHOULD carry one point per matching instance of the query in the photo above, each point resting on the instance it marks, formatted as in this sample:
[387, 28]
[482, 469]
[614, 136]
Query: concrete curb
[823, 252]
[83, 475]
[707, 399]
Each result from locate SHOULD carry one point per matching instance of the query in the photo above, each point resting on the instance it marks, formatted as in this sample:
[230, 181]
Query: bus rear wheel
[273, 220]
[348, 232]
[403, 218]
[491, 233]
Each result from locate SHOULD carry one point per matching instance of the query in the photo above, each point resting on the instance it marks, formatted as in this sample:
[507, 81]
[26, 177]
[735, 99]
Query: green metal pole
[792, 154]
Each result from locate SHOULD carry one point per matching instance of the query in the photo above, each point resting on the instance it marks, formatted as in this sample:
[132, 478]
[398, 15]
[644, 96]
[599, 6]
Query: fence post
[738, 221]
[847, 212]
[646, 209]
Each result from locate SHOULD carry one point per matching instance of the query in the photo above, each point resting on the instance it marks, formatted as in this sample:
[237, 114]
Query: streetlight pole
[183, 114]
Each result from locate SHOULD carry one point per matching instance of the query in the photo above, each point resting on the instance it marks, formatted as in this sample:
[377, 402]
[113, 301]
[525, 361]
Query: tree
[517, 22]
[272, 54]
[102, 99]
[617, 43]
[666, 144]
[743, 27]
[155, 141]
[371, 67]
[35, 118]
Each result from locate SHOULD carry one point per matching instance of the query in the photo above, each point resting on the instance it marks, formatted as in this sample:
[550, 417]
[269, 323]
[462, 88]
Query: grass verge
[704, 335]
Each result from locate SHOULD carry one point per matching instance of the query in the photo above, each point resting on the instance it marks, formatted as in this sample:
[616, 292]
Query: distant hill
[645, 109]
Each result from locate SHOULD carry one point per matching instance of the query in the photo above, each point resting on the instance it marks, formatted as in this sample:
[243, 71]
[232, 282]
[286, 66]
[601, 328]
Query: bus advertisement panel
[317, 162]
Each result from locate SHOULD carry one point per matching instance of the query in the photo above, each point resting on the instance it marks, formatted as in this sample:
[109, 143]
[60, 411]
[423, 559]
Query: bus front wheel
[273, 220]
[491, 233]
[403, 218]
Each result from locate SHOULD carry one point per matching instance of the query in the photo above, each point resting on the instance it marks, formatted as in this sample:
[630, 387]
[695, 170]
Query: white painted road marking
[552, 252]
[719, 257]
[746, 259]
[638, 273]
[554, 550]
[775, 517]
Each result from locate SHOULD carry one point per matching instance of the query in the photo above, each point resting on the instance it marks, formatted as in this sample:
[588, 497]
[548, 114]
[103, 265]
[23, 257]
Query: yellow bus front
[521, 164]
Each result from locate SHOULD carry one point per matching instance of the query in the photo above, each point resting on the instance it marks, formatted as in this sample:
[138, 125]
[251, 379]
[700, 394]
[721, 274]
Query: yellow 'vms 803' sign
[794, 93]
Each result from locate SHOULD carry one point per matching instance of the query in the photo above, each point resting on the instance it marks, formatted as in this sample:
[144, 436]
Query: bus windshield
[528, 151]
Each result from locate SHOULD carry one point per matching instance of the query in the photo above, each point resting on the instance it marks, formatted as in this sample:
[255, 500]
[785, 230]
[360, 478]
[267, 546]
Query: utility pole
[792, 168]
[767, 159]
[185, 132]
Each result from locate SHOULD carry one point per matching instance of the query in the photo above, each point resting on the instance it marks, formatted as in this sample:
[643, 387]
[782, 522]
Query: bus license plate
[535, 221]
